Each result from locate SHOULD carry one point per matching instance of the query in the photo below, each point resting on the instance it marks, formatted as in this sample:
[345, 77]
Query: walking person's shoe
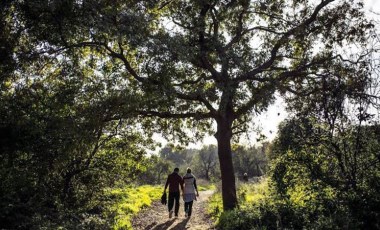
[170, 214]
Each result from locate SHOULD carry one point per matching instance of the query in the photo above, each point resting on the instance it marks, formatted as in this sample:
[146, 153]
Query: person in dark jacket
[174, 181]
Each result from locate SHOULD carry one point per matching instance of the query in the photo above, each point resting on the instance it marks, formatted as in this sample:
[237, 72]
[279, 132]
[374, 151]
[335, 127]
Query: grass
[130, 201]
[215, 206]
[248, 194]
[204, 185]
[253, 193]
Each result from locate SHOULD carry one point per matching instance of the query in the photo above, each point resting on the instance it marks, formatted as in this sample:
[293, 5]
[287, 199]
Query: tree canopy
[191, 63]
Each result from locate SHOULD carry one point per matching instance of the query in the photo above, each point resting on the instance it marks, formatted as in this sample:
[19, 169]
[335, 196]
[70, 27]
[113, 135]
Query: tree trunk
[207, 175]
[223, 136]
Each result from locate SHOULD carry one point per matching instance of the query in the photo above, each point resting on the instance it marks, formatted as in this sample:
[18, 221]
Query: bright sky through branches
[269, 120]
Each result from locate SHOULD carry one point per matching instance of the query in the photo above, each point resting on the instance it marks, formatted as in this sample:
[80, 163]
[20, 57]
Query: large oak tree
[191, 63]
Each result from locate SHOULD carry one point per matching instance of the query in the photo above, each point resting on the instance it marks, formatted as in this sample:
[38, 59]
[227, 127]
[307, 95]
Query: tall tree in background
[207, 160]
[197, 62]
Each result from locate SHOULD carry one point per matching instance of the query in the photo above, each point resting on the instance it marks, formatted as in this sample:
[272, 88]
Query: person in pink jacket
[189, 191]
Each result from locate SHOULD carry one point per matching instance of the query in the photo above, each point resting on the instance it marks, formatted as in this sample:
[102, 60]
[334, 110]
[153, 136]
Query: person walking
[245, 177]
[190, 187]
[174, 181]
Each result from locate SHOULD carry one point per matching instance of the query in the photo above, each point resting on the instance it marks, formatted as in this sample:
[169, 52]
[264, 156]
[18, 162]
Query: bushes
[261, 207]
[313, 186]
[257, 210]
[244, 219]
[265, 209]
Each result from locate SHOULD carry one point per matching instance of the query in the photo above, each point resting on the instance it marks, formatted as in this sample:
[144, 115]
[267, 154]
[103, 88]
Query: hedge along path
[156, 217]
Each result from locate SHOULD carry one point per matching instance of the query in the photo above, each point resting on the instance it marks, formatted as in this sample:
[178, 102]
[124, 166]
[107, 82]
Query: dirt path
[156, 217]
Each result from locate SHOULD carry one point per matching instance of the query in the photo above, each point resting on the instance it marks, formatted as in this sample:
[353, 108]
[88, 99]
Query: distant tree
[156, 170]
[252, 160]
[206, 161]
[190, 155]
[176, 156]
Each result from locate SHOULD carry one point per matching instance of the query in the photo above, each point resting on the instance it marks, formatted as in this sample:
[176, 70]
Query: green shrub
[129, 201]
[215, 206]
[238, 219]
[260, 207]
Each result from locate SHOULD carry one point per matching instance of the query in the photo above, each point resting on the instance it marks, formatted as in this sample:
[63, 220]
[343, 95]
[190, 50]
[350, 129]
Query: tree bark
[223, 136]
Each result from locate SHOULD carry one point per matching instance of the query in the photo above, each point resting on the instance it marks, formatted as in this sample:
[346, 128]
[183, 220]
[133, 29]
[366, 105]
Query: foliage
[58, 149]
[251, 160]
[262, 208]
[215, 205]
[156, 170]
[336, 172]
[309, 186]
[129, 201]
[178, 157]
[203, 65]
[205, 163]
[159, 165]
[256, 210]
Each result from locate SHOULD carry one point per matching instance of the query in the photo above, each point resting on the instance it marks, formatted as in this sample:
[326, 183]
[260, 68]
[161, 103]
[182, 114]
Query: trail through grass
[127, 202]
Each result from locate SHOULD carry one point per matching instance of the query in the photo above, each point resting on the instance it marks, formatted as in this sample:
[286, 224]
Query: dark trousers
[188, 207]
[173, 196]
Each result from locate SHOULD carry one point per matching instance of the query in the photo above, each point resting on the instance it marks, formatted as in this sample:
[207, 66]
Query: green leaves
[90, 73]
[324, 167]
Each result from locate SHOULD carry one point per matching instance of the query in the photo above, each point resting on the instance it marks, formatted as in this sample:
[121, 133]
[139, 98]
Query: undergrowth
[129, 201]
[260, 207]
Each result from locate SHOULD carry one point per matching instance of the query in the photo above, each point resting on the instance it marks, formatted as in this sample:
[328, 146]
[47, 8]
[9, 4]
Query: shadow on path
[181, 225]
[162, 226]
[155, 217]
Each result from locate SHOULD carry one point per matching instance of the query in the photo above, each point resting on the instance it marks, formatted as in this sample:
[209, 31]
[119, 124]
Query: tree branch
[196, 115]
[202, 43]
[271, 83]
[197, 97]
[192, 82]
[280, 42]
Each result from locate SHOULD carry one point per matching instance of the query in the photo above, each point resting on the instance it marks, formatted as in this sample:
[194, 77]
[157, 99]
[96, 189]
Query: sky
[269, 120]
[372, 5]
